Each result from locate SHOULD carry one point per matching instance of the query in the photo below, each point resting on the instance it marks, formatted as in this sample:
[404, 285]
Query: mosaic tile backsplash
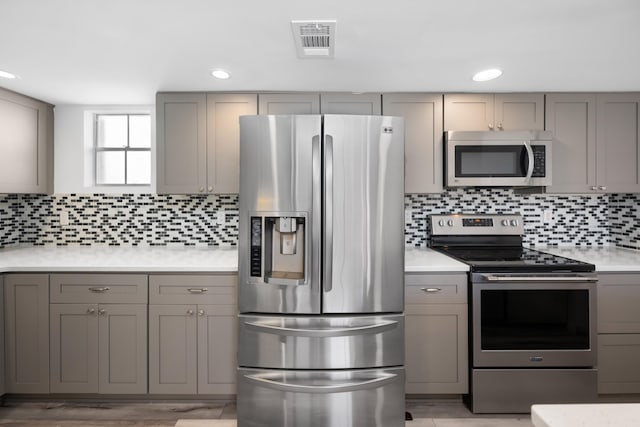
[585, 220]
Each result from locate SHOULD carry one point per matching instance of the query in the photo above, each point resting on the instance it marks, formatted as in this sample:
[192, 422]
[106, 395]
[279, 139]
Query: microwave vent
[314, 39]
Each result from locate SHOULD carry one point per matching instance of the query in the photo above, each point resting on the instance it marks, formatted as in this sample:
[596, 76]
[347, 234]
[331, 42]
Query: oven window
[490, 161]
[534, 319]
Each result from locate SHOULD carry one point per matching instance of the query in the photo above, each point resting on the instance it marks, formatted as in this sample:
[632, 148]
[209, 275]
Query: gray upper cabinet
[181, 140]
[198, 140]
[596, 142]
[423, 138]
[351, 103]
[26, 144]
[27, 333]
[288, 103]
[508, 111]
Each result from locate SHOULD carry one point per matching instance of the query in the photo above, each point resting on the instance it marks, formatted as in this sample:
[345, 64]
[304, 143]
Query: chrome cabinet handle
[602, 187]
[490, 126]
[210, 189]
[594, 188]
[197, 290]
[200, 313]
[500, 126]
[102, 312]
[431, 290]
[201, 189]
[91, 311]
[190, 312]
[100, 290]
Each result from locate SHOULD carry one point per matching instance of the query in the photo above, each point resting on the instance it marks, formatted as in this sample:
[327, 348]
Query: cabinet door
[289, 103]
[27, 333]
[172, 349]
[519, 111]
[74, 348]
[181, 143]
[618, 302]
[122, 348]
[223, 139]
[572, 119]
[217, 346]
[618, 363]
[468, 112]
[422, 138]
[368, 104]
[26, 139]
[618, 136]
[436, 348]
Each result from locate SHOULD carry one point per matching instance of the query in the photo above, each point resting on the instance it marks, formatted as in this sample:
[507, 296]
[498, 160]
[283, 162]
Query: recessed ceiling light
[220, 74]
[7, 75]
[486, 75]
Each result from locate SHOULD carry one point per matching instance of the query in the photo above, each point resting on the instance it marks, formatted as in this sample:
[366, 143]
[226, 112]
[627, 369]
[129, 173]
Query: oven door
[534, 320]
[498, 163]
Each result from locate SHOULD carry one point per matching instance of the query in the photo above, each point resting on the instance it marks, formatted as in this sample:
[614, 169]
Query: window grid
[125, 149]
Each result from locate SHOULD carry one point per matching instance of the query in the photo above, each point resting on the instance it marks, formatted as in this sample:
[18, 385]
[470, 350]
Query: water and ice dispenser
[278, 248]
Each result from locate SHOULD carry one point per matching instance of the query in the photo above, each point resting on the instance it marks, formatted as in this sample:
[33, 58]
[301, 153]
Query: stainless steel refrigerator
[321, 271]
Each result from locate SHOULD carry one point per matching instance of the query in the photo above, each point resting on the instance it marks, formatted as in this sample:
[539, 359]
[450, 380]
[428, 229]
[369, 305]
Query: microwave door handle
[527, 146]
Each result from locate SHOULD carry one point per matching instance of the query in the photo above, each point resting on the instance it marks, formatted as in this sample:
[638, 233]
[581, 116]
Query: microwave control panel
[539, 167]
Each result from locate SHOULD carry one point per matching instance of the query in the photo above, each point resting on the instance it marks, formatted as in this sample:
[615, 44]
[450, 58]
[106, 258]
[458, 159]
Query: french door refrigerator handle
[316, 206]
[328, 213]
[374, 328]
[265, 381]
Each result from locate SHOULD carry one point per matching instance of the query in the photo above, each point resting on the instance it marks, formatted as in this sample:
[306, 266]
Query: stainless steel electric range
[532, 326]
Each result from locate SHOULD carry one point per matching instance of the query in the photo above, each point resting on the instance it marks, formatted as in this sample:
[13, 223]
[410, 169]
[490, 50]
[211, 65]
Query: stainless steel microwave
[497, 159]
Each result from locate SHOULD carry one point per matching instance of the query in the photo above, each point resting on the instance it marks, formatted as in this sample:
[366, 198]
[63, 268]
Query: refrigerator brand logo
[387, 129]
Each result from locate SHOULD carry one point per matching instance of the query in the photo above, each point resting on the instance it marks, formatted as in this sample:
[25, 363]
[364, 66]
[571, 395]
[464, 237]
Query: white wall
[73, 149]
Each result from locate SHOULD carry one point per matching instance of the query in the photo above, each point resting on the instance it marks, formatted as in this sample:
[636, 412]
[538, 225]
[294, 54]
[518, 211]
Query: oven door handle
[500, 278]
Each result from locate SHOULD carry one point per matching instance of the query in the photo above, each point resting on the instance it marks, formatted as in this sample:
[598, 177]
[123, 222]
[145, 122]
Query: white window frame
[124, 149]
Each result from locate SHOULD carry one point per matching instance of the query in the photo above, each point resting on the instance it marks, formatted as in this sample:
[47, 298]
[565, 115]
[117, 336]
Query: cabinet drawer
[618, 302]
[193, 289]
[435, 288]
[99, 288]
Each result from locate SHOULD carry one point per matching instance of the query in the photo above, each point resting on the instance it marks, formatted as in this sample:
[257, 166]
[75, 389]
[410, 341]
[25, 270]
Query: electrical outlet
[407, 215]
[64, 217]
[547, 216]
[221, 217]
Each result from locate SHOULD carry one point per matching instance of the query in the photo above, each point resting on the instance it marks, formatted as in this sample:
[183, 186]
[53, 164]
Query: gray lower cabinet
[192, 334]
[2, 388]
[98, 333]
[27, 333]
[436, 334]
[618, 333]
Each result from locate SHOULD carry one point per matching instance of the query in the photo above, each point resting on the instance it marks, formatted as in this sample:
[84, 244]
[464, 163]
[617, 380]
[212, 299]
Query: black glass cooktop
[517, 259]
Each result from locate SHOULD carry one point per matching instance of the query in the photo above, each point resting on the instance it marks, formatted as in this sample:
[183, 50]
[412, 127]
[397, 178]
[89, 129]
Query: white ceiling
[124, 51]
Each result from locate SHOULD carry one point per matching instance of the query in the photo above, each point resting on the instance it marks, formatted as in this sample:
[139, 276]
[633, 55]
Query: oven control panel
[477, 224]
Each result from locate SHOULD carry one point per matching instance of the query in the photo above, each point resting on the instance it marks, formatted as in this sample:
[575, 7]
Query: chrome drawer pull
[431, 290]
[100, 290]
[197, 290]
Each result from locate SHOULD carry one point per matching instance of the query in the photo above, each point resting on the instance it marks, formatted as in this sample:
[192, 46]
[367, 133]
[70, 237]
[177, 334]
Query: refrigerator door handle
[281, 382]
[376, 328]
[328, 213]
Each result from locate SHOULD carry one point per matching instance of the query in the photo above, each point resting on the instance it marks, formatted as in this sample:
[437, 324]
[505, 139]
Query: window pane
[140, 131]
[112, 131]
[110, 167]
[138, 167]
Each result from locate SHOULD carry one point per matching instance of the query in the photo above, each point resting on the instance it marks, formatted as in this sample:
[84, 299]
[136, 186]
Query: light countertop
[167, 259]
[586, 415]
[606, 259]
[217, 259]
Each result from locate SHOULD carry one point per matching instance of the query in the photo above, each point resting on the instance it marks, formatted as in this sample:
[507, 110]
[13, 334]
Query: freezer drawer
[329, 342]
[356, 398]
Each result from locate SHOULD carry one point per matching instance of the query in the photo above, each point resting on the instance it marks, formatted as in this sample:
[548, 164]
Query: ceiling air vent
[314, 39]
